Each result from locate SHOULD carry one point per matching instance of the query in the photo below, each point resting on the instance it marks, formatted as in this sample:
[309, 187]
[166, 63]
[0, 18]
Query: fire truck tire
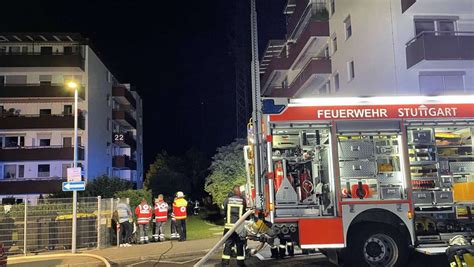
[377, 245]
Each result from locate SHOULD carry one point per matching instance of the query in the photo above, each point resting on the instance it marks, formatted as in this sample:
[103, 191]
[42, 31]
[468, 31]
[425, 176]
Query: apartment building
[373, 47]
[37, 115]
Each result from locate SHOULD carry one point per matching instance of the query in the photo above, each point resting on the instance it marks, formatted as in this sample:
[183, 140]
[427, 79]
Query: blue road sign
[74, 186]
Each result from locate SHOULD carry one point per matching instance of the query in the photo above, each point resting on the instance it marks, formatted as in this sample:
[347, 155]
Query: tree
[196, 169]
[167, 175]
[106, 187]
[227, 169]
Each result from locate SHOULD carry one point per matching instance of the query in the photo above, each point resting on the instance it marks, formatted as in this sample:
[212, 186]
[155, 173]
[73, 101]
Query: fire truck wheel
[378, 245]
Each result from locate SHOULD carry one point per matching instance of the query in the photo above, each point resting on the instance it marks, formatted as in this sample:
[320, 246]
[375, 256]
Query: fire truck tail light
[271, 206]
[410, 215]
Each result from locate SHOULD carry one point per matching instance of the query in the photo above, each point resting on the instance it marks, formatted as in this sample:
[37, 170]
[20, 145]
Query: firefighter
[180, 206]
[143, 212]
[161, 216]
[234, 206]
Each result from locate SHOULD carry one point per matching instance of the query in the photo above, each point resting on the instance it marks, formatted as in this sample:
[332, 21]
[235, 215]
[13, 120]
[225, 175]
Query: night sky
[176, 53]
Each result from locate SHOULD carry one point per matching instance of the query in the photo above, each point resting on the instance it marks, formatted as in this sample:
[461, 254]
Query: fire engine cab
[369, 178]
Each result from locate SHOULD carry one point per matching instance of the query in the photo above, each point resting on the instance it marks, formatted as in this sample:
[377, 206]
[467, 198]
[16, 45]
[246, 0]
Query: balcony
[314, 68]
[39, 153]
[312, 31]
[406, 4]
[38, 91]
[427, 48]
[10, 121]
[123, 96]
[124, 161]
[124, 118]
[124, 140]
[30, 186]
[303, 11]
[42, 60]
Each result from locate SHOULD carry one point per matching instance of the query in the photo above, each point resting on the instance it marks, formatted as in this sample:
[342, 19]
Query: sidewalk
[120, 256]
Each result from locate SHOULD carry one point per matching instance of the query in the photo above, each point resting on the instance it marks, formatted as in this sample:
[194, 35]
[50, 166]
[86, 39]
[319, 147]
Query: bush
[135, 196]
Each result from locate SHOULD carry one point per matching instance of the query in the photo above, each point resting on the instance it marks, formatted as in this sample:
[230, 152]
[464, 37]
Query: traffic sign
[74, 186]
[74, 174]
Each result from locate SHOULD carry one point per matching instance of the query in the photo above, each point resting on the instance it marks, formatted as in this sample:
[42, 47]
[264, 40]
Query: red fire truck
[369, 178]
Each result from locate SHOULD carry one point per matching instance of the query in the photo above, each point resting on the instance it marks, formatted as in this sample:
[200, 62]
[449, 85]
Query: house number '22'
[118, 137]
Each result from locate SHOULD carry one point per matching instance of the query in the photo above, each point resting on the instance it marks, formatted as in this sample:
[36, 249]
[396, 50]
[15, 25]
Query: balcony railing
[314, 66]
[27, 153]
[41, 60]
[20, 121]
[124, 118]
[440, 45]
[304, 8]
[124, 96]
[124, 161]
[37, 90]
[30, 186]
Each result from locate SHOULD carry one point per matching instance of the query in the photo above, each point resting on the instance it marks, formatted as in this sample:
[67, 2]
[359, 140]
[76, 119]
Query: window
[24, 49]
[348, 26]
[68, 50]
[336, 82]
[45, 112]
[67, 141]
[441, 82]
[334, 44]
[43, 170]
[67, 110]
[46, 50]
[45, 79]
[21, 171]
[16, 79]
[45, 142]
[333, 6]
[9, 171]
[350, 70]
[2, 80]
[14, 50]
[11, 141]
[435, 26]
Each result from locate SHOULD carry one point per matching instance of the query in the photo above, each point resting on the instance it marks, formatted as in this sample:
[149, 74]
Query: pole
[74, 193]
[257, 107]
[99, 200]
[25, 227]
[224, 238]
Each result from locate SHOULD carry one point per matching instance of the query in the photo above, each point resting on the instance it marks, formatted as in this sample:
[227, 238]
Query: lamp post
[75, 86]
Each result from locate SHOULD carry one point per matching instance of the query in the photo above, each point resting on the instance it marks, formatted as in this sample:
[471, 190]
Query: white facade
[377, 46]
[96, 105]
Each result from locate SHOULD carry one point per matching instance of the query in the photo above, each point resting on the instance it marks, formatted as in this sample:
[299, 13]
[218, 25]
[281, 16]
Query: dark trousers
[125, 232]
[233, 239]
[181, 225]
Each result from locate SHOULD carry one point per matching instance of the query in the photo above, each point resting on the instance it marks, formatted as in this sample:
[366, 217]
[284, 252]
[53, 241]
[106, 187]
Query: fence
[47, 224]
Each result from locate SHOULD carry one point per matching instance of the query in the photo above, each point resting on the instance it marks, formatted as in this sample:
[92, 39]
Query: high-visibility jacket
[143, 213]
[234, 207]
[161, 211]
[180, 206]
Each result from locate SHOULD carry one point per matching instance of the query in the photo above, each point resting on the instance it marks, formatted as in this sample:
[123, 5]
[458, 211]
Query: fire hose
[219, 244]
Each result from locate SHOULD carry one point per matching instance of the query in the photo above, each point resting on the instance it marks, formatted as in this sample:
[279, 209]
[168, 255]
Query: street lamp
[74, 86]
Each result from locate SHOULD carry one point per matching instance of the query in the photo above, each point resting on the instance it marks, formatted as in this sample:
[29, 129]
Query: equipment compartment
[443, 197]
[420, 136]
[423, 198]
[359, 168]
[391, 192]
[356, 149]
